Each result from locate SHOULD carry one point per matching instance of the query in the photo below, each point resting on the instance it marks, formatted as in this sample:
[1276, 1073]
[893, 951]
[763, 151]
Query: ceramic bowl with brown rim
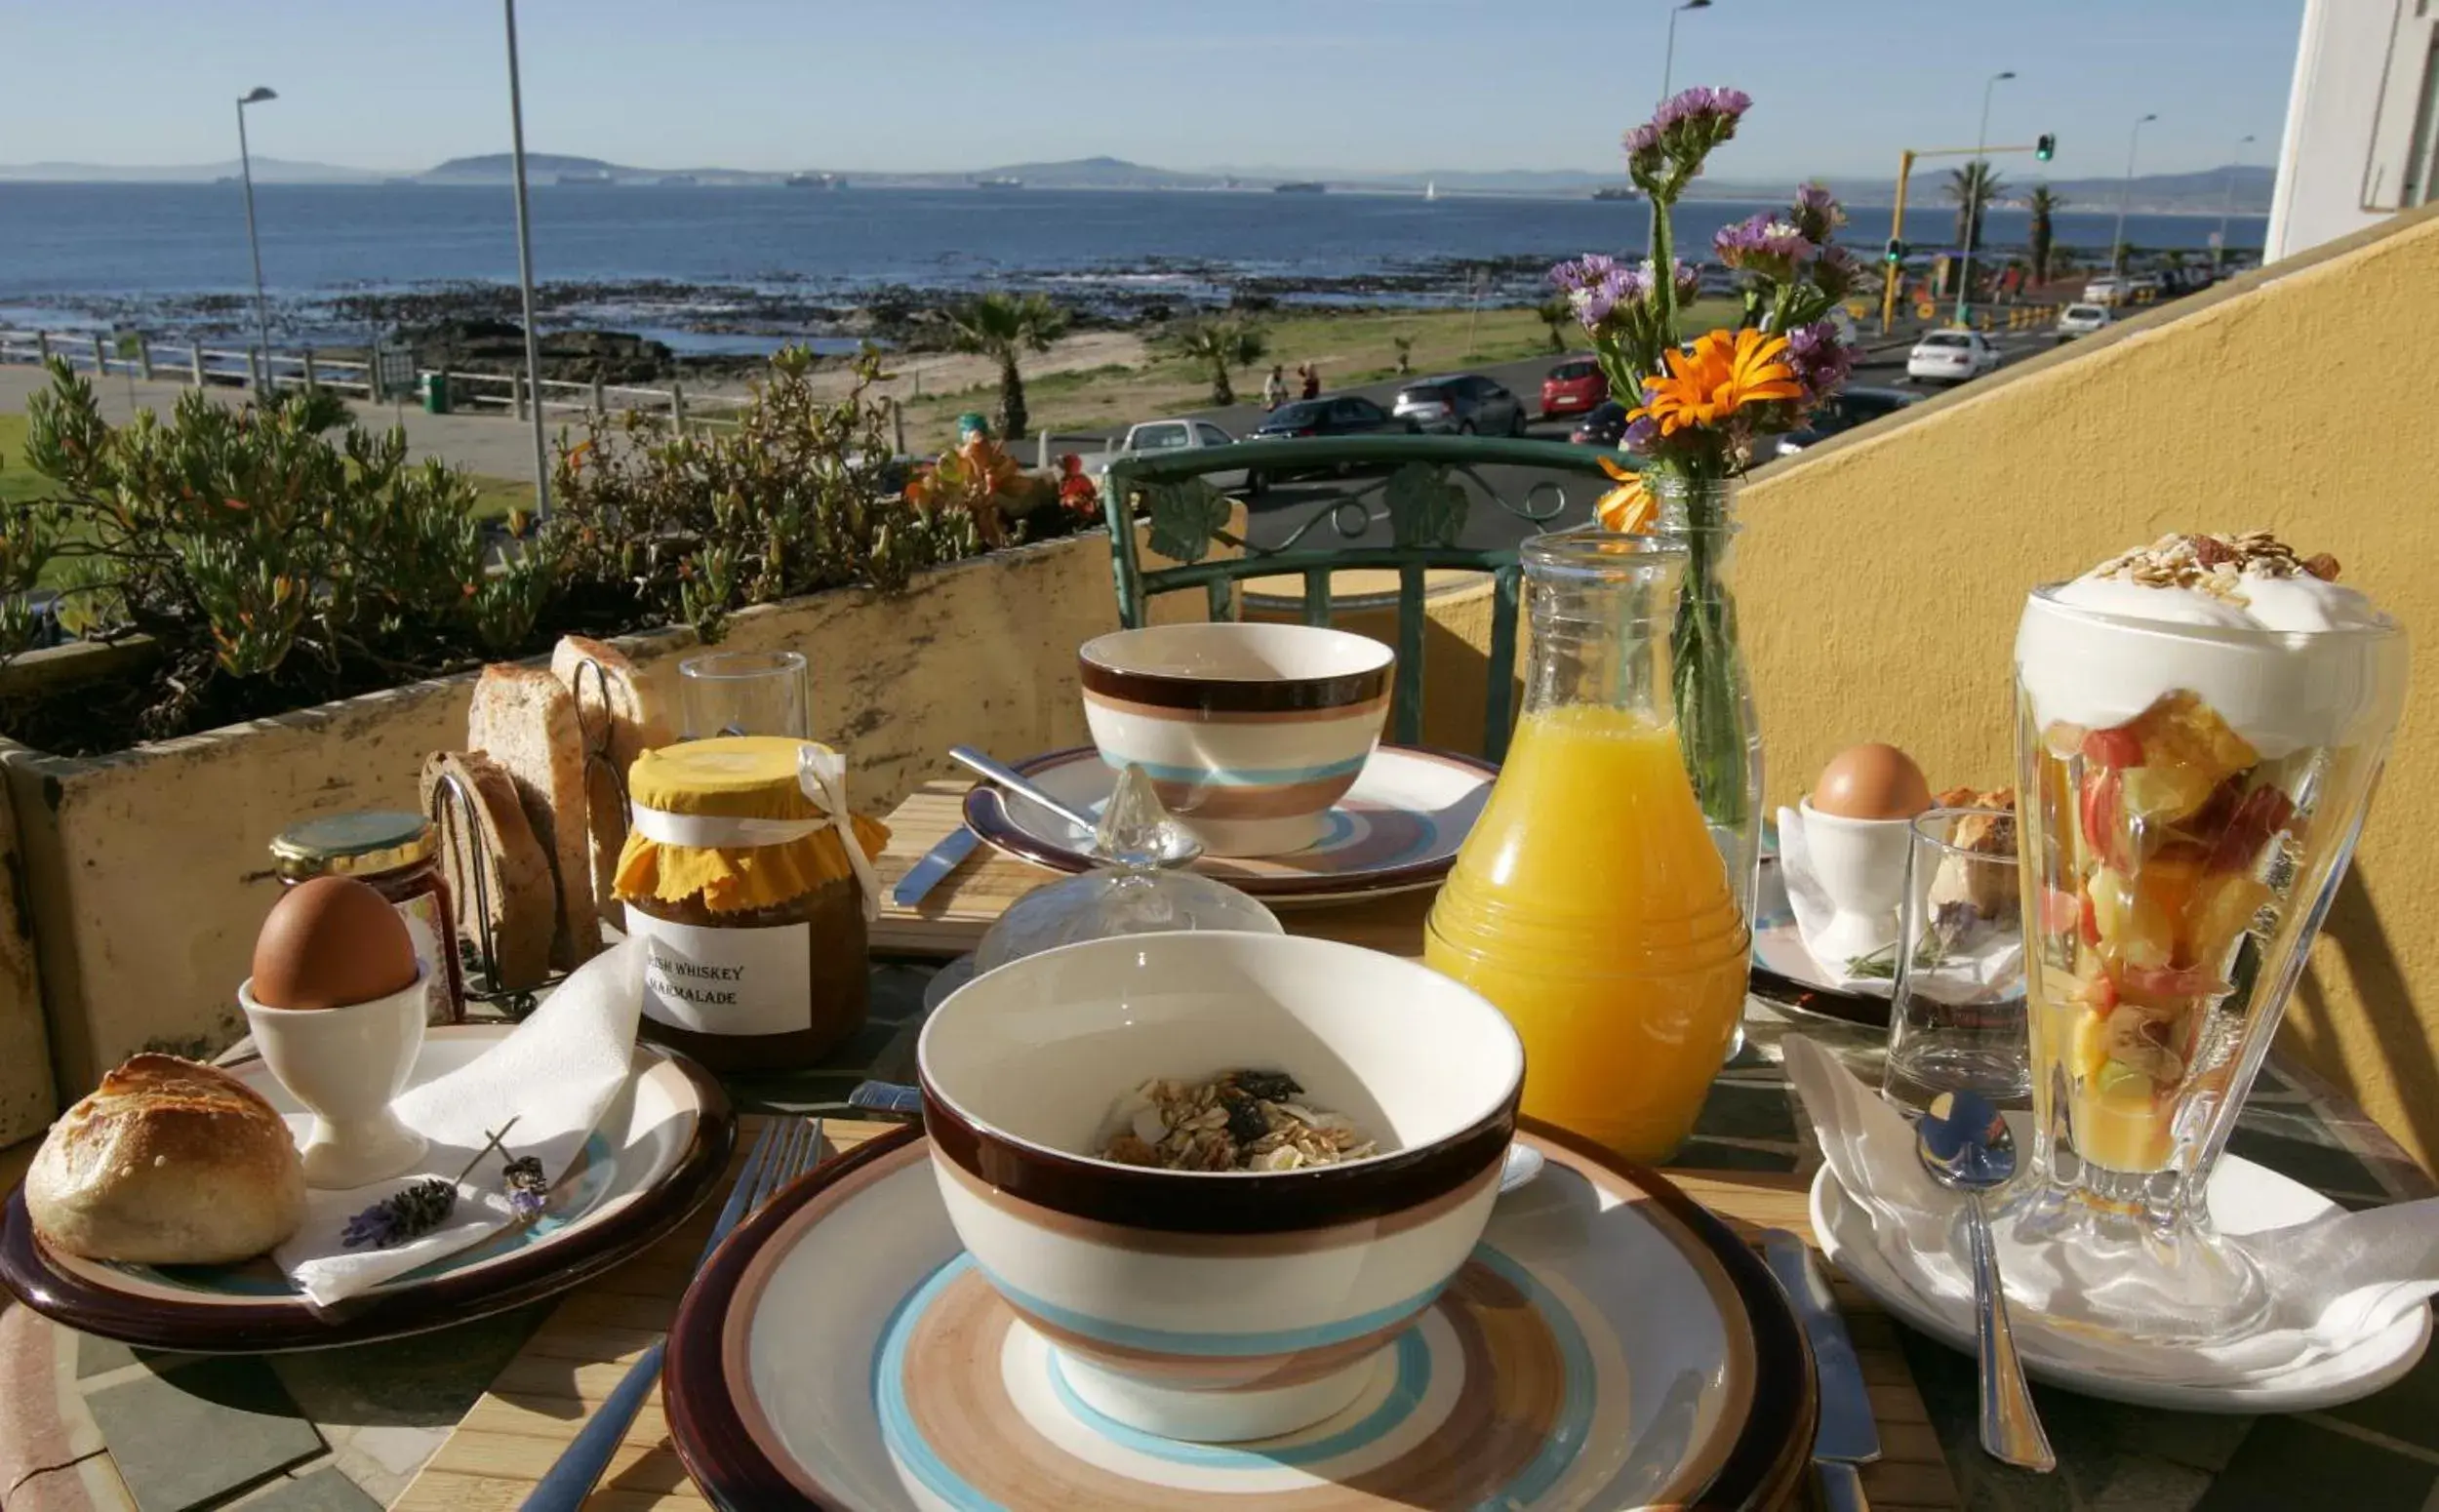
[1217, 1306]
[1249, 731]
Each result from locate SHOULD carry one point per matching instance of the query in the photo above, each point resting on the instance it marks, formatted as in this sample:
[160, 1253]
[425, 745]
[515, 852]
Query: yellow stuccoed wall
[1881, 577]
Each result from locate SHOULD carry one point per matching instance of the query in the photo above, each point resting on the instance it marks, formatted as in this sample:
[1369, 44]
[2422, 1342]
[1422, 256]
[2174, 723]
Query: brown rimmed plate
[1611, 1344]
[657, 1153]
[1397, 830]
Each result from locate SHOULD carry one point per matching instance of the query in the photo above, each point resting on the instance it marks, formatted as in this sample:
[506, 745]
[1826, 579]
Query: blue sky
[962, 83]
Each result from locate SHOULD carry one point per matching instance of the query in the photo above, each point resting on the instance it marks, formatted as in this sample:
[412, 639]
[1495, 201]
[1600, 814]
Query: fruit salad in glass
[2201, 724]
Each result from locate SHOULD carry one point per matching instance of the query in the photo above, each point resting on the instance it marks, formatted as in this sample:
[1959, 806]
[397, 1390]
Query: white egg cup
[348, 1065]
[1861, 865]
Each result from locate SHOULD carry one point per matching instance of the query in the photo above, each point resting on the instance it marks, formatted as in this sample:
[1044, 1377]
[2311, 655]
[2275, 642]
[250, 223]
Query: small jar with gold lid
[397, 853]
[752, 910]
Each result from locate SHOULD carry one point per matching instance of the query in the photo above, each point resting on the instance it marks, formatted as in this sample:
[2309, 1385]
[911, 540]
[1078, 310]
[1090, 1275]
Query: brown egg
[1873, 781]
[330, 942]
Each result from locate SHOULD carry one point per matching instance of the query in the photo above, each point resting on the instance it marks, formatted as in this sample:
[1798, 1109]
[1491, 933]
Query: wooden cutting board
[950, 920]
[514, 1434]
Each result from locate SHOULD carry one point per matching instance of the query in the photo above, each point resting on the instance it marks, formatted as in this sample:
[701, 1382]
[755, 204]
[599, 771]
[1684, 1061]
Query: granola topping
[2217, 564]
[1241, 1120]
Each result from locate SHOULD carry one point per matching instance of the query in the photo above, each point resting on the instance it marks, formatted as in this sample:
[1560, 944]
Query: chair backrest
[1425, 488]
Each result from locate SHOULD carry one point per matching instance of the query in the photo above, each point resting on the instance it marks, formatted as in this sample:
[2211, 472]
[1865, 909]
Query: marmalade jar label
[726, 981]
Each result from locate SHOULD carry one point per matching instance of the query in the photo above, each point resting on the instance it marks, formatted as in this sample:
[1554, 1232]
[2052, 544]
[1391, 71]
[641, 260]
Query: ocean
[709, 268]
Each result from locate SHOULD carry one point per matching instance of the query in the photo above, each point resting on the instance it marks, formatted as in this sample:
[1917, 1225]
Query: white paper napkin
[1972, 973]
[554, 1074]
[2335, 1281]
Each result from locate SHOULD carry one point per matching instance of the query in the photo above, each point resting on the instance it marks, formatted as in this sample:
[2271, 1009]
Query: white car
[1161, 436]
[1951, 357]
[2082, 320]
[2103, 290]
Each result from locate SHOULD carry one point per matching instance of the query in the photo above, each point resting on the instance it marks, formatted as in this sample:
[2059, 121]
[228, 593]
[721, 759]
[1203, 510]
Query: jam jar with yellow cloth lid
[740, 880]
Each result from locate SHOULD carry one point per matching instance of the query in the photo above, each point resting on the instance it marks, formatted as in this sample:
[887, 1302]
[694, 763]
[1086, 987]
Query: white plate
[2245, 1198]
[658, 1151]
[1609, 1345]
[1397, 830]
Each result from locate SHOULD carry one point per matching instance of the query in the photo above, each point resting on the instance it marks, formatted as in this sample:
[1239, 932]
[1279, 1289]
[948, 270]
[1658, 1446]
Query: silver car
[1462, 403]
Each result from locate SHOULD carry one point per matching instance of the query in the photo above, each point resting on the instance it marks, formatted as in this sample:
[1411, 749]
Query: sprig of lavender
[417, 1209]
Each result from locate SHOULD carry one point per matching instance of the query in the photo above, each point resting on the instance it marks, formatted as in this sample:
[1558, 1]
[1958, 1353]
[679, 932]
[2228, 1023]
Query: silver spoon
[1965, 1145]
[1178, 845]
[1522, 1164]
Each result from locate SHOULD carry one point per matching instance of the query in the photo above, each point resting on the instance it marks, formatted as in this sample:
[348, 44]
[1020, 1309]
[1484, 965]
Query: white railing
[478, 393]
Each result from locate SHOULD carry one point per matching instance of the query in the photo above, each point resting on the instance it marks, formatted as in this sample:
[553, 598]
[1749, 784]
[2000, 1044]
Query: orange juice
[1591, 906]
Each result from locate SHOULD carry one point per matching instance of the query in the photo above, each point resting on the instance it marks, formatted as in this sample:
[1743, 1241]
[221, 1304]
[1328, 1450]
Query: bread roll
[515, 869]
[167, 1163]
[624, 697]
[525, 719]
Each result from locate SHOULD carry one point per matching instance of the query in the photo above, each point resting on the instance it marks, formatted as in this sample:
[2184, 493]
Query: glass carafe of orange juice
[1589, 903]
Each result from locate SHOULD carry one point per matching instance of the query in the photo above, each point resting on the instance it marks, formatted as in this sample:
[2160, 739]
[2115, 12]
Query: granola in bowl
[1239, 1119]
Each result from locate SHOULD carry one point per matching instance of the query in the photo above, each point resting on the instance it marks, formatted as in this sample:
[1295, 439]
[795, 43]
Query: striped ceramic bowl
[1217, 1306]
[1249, 731]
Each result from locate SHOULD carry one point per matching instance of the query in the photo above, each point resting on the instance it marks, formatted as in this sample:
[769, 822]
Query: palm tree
[1003, 327]
[2044, 203]
[1557, 314]
[1222, 343]
[1972, 189]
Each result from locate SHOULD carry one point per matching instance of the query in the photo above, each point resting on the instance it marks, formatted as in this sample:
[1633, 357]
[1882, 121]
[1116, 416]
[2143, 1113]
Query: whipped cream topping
[2100, 649]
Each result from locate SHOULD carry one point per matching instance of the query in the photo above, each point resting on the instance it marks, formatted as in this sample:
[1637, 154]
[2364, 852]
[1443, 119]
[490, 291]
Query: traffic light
[1895, 253]
[2045, 147]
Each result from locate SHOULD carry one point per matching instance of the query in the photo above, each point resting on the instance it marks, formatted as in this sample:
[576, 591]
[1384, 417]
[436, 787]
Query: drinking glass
[744, 693]
[1956, 1017]
[2191, 795]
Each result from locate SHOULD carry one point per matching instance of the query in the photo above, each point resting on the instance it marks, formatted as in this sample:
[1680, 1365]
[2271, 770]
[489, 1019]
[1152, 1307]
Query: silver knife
[937, 862]
[1847, 1437]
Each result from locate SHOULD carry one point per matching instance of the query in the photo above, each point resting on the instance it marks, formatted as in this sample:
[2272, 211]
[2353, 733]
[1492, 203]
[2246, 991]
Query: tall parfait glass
[2193, 794]
[1589, 903]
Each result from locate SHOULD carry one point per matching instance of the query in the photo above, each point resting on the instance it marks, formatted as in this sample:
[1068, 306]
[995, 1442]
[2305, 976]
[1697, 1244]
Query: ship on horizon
[999, 182]
[1614, 192]
[1300, 186]
[816, 182]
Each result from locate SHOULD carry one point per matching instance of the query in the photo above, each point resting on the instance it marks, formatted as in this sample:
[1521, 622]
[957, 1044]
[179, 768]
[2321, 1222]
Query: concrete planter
[143, 874]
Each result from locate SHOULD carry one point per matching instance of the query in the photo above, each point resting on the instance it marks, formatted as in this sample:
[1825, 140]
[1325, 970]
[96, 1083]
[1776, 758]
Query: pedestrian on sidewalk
[1274, 387]
[1312, 381]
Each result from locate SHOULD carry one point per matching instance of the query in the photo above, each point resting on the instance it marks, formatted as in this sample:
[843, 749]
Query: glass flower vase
[1710, 690]
[2192, 795]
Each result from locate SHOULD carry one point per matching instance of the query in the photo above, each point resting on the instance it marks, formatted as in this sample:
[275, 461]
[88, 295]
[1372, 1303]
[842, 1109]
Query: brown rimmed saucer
[658, 1152]
[1396, 830]
[1609, 1345]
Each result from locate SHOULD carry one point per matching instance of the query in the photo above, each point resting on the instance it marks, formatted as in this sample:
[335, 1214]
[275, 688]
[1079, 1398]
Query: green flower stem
[1702, 658]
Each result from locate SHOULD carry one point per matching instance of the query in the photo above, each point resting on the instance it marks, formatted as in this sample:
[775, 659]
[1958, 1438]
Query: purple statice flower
[1816, 212]
[1704, 106]
[1639, 434]
[1688, 280]
[1836, 272]
[1594, 285]
[1765, 245]
[1821, 361]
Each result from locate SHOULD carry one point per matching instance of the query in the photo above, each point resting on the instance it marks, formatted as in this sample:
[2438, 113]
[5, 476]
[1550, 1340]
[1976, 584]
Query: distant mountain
[266, 170]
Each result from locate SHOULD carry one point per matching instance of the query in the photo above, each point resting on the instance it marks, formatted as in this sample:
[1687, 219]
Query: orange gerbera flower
[1727, 371]
[1629, 507]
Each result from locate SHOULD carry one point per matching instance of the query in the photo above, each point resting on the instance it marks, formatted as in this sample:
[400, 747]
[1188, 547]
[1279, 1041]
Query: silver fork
[788, 1149]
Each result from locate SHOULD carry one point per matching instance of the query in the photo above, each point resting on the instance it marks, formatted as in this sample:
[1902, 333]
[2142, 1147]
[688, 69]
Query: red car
[1575, 386]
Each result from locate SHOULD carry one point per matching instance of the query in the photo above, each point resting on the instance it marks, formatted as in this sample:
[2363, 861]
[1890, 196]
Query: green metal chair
[1422, 483]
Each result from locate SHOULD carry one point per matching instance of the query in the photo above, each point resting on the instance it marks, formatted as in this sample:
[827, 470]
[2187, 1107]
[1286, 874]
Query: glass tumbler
[725, 692]
[2190, 795]
[1956, 1015]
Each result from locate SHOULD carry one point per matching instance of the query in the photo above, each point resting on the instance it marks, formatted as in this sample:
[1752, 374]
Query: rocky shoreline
[654, 330]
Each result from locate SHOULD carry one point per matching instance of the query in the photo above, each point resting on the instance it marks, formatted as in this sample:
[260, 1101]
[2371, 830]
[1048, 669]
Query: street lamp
[1668, 56]
[2235, 160]
[244, 160]
[1976, 185]
[525, 276]
[1667, 76]
[2117, 242]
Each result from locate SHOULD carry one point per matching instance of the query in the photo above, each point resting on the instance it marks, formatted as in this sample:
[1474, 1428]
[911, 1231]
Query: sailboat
[1432, 188]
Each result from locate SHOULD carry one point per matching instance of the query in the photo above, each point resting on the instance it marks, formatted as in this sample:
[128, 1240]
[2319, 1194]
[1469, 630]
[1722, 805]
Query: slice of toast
[525, 720]
[622, 705]
[517, 891]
